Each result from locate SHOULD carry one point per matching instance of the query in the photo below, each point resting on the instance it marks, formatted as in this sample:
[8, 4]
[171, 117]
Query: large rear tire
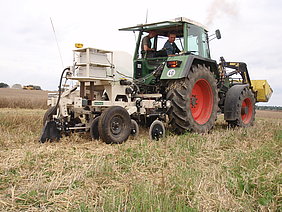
[114, 125]
[194, 101]
[245, 109]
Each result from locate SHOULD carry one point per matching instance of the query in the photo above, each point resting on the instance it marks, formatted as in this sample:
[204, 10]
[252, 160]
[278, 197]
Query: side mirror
[217, 34]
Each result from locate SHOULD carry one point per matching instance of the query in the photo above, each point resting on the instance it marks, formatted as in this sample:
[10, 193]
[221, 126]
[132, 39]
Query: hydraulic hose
[60, 92]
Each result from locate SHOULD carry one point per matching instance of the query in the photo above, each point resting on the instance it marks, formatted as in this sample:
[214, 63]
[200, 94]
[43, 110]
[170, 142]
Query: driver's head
[171, 37]
[152, 34]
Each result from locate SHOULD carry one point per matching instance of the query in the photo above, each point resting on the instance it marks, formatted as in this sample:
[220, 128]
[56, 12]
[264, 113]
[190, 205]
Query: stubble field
[19, 98]
[226, 170]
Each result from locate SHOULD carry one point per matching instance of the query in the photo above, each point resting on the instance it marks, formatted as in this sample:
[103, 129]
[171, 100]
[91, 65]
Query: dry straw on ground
[226, 170]
[18, 98]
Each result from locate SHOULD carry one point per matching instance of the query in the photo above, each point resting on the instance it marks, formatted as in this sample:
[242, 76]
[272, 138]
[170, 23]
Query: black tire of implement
[134, 127]
[180, 116]
[104, 127]
[157, 125]
[246, 93]
[48, 114]
[94, 128]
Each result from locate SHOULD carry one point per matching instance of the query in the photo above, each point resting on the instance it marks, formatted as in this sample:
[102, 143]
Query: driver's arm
[146, 48]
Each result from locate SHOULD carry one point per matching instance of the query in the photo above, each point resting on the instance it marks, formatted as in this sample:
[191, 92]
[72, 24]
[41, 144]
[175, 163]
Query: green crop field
[226, 170]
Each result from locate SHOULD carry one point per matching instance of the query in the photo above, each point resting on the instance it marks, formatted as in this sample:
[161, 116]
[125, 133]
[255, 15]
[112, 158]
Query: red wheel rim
[201, 101]
[246, 111]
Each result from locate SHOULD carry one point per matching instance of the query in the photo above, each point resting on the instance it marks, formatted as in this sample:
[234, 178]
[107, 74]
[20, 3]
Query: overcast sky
[251, 32]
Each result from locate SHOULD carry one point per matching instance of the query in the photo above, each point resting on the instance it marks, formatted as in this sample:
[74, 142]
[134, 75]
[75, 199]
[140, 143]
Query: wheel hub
[116, 125]
[193, 101]
[246, 110]
[157, 131]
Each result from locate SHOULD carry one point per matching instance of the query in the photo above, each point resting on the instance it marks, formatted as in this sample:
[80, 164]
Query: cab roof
[164, 26]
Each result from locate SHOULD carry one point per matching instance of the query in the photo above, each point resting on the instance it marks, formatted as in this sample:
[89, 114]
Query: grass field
[226, 170]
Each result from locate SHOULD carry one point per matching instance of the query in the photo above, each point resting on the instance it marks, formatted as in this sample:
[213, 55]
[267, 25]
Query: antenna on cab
[146, 16]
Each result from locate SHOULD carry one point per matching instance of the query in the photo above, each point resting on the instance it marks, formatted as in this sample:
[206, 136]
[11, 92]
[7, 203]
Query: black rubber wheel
[94, 128]
[245, 109]
[134, 128]
[194, 101]
[157, 130]
[114, 125]
[48, 115]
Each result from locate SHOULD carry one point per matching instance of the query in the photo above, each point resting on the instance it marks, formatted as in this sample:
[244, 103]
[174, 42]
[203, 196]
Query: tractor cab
[191, 39]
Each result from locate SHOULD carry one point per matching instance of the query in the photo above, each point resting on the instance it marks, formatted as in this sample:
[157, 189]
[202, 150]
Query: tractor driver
[170, 47]
[146, 44]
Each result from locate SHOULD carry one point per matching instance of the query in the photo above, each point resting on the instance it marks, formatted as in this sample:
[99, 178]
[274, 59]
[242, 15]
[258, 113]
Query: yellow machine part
[263, 89]
[78, 45]
[27, 88]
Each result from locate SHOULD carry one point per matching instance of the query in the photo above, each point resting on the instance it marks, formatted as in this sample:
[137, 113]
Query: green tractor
[197, 87]
[186, 89]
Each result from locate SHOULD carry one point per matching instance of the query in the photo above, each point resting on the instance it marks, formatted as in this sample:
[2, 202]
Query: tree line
[18, 86]
[275, 108]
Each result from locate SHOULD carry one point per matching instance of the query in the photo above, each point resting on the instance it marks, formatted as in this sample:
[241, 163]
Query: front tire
[245, 109]
[194, 101]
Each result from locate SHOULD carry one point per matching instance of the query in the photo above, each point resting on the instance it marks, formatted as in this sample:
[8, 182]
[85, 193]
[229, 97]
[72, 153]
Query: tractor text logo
[171, 73]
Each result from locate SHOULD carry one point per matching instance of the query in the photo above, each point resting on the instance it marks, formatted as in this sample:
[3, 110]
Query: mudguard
[231, 100]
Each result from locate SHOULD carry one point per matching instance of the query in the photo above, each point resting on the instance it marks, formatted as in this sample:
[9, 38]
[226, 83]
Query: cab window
[197, 41]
